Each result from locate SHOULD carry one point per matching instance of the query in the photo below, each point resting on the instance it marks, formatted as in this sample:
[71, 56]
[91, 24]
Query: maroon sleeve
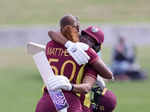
[90, 71]
[93, 55]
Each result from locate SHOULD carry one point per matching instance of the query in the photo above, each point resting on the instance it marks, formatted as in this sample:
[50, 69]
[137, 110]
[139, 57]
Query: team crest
[94, 29]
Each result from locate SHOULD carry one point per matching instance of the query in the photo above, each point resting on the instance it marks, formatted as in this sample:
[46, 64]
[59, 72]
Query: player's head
[69, 26]
[107, 101]
[93, 36]
[69, 20]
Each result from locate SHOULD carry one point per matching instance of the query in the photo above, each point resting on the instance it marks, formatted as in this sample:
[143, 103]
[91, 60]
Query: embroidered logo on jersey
[94, 29]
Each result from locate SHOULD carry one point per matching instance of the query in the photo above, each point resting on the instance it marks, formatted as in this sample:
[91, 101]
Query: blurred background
[22, 21]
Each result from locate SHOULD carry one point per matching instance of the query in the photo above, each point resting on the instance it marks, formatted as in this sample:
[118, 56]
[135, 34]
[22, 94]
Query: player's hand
[100, 82]
[77, 51]
[59, 82]
[70, 33]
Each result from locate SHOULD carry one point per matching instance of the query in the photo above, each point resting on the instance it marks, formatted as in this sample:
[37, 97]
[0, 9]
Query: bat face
[33, 48]
[46, 72]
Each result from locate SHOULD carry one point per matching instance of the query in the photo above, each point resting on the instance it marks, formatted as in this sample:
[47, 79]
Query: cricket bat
[38, 53]
[33, 48]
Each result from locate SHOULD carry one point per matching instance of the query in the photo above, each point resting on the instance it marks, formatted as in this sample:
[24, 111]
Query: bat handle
[63, 110]
[59, 100]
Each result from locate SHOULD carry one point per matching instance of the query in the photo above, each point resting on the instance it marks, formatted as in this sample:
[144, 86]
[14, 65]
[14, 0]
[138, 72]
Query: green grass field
[90, 11]
[20, 83]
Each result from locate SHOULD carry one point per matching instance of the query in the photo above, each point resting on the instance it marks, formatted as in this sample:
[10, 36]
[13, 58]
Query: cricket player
[63, 64]
[96, 46]
[60, 60]
[103, 99]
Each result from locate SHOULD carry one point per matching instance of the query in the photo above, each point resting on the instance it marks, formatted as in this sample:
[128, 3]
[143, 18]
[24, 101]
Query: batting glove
[77, 51]
[59, 82]
[100, 82]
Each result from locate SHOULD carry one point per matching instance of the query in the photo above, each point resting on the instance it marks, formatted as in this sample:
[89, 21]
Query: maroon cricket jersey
[63, 64]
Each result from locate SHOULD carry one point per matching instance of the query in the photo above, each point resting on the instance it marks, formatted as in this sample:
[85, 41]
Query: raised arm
[57, 36]
[67, 33]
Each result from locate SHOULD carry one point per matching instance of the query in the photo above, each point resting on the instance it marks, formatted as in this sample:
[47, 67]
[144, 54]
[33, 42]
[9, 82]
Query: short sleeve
[93, 55]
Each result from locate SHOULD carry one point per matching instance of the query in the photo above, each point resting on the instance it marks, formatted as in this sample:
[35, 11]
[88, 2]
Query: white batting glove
[100, 82]
[77, 51]
[59, 82]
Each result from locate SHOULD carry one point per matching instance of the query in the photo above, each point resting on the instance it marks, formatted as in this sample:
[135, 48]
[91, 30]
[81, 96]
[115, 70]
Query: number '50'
[54, 60]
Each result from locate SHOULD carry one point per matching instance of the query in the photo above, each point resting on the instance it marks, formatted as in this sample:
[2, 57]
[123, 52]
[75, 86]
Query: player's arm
[85, 86]
[67, 33]
[57, 36]
[98, 64]
[62, 82]
[102, 69]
